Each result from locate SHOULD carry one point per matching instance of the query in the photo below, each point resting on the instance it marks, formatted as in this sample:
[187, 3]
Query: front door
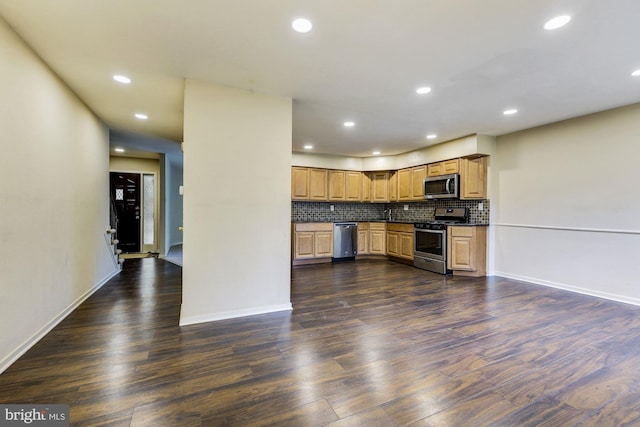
[125, 193]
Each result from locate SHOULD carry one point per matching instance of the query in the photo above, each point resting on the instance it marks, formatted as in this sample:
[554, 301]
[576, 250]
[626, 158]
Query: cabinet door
[318, 184]
[461, 253]
[299, 183]
[380, 187]
[366, 186]
[393, 243]
[404, 184]
[353, 186]
[376, 242]
[393, 186]
[406, 245]
[450, 166]
[336, 185]
[418, 174]
[304, 245]
[323, 244]
[473, 178]
[363, 241]
[434, 169]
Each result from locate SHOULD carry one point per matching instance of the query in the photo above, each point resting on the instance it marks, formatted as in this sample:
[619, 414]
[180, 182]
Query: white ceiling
[362, 61]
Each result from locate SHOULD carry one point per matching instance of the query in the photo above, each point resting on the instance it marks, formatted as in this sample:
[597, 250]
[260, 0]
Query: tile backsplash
[421, 211]
[321, 211]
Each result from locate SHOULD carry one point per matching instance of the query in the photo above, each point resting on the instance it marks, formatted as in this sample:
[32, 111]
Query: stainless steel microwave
[442, 187]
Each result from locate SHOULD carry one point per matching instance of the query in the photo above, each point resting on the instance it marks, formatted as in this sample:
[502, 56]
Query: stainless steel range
[430, 239]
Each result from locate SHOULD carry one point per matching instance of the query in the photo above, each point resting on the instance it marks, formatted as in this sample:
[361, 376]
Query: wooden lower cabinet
[312, 240]
[377, 238]
[304, 244]
[400, 241]
[323, 244]
[363, 238]
[467, 251]
[371, 238]
[406, 245]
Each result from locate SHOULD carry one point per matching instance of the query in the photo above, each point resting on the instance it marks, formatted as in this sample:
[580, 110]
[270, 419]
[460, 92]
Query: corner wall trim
[31, 341]
[554, 227]
[571, 288]
[192, 320]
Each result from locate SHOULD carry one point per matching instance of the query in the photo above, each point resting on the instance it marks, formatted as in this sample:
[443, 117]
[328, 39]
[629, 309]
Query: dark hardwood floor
[372, 343]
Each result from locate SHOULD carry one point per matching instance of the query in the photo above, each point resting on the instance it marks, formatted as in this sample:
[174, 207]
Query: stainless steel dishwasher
[345, 241]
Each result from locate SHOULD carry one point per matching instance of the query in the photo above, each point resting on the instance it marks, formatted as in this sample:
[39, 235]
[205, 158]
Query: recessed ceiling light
[510, 111]
[423, 90]
[376, 153]
[557, 22]
[119, 150]
[636, 73]
[141, 116]
[122, 79]
[349, 124]
[308, 146]
[302, 25]
[432, 136]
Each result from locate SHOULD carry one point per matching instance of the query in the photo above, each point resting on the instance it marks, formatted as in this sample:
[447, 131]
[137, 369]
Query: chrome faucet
[387, 213]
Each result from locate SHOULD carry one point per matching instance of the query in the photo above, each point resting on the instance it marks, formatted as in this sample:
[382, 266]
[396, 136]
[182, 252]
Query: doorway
[134, 199]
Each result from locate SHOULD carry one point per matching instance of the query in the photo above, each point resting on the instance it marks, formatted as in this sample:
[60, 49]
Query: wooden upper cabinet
[473, 178]
[308, 183]
[380, 186]
[393, 186]
[318, 184]
[366, 186]
[434, 169]
[299, 183]
[450, 166]
[404, 184]
[353, 186]
[387, 186]
[418, 174]
[337, 185]
[442, 168]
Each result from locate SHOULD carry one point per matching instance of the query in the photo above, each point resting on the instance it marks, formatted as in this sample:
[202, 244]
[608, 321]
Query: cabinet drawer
[363, 226]
[461, 231]
[314, 226]
[406, 228]
[377, 226]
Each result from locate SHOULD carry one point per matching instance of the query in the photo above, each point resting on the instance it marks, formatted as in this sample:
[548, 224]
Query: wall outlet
[331, 208]
[406, 207]
[480, 206]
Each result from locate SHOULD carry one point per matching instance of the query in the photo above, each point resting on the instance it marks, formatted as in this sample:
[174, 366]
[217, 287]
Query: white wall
[461, 147]
[237, 203]
[54, 186]
[566, 205]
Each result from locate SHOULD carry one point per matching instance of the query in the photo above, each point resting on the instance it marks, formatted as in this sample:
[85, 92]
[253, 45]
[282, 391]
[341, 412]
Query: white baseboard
[191, 320]
[31, 341]
[571, 288]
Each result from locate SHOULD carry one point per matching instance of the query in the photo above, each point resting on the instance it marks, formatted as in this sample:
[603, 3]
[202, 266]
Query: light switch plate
[406, 207]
